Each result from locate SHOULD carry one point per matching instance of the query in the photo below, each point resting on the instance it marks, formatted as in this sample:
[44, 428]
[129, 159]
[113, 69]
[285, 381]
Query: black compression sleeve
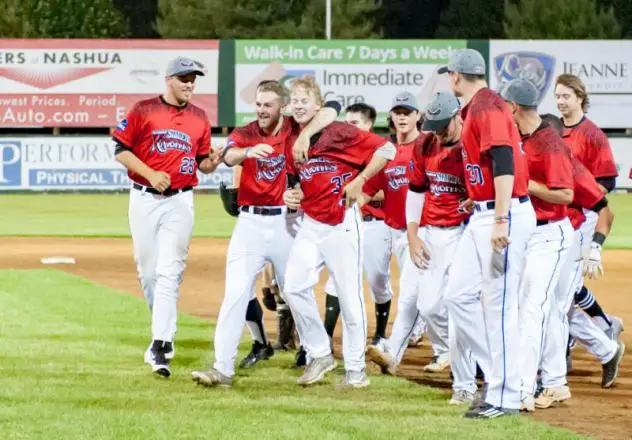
[503, 161]
[119, 147]
[199, 159]
[418, 188]
[335, 105]
[607, 182]
[292, 181]
[601, 204]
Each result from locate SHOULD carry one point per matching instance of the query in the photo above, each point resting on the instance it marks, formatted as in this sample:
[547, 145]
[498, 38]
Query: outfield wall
[87, 163]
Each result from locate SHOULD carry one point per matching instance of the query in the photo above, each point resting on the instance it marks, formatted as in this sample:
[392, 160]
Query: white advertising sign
[74, 163]
[604, 66]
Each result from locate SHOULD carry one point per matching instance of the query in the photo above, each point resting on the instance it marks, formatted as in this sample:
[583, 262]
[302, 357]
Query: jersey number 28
[187, 166]
[475, 174]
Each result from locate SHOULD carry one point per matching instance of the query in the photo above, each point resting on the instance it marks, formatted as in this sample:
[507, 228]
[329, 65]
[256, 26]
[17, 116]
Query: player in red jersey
[405, 117]
[377, 245]
[491, 254]
[551, 189]
[332, 171]
[590, 145]
[163, 142]
[587, 195]
[433, 201]
[264, 231]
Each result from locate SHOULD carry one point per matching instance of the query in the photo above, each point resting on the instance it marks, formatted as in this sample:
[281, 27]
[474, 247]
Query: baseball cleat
[300, 359]
[258, 353]
[552, 396]
[211, 378]
[611, 368]
[527, 403]
[490, 412]
[156, 357]
[316, 370]
[355, 379]
[383, 359]
[438, 364]
[461, 397]
[616, 328]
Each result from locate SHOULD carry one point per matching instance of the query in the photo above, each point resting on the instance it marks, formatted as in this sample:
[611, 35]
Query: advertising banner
[348, 71]
[604, 66]
[93, 83]
[74, 163]
[622, 150]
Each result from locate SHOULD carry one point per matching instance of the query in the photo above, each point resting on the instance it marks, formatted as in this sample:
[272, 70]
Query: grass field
[106, 215]
[72, 368]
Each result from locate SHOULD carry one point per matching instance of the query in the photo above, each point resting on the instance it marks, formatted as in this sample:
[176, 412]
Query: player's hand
[466, 206]
[160, 180]
[419, 252]
[260, 151]
[293, 198]
[353, 191]
[300, 149]
[500, 236]
[591, 261]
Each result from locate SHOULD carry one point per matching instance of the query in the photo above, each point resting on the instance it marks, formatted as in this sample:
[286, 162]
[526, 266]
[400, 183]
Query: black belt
[261, 211]
[370, 218]
[448, 227]
[167, 193]
[492, 204]
[543, 222]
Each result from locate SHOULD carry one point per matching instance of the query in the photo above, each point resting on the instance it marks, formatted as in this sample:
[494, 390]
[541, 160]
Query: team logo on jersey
[121, 126]
[444, 183]
[396, 177]
[316, 166]
[536, 67]
[269, 168]
[165, 140]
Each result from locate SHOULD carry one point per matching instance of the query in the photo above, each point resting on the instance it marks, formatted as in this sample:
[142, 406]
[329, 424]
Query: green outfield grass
[72, 369]
[106, 215]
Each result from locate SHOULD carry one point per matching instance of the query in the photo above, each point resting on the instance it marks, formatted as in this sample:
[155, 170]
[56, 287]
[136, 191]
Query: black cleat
[258, 353]
[301, 357]
[156, 357]
[611, 368]
[490, 412]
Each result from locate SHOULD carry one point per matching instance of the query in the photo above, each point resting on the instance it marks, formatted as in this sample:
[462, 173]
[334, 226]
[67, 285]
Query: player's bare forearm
[236, 176]
[235, 156]
[562, 196]
[604, 221]
[134, 164]
[322, 119]
[503, 186]
[412, 229]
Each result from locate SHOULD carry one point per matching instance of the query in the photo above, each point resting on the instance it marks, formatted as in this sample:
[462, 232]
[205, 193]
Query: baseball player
[551, 189]
[490, 256]
[393, 180]
[162, 142]
[586, 196]
[332, 172]
[264, 230]
[590, 145]
[377, 245]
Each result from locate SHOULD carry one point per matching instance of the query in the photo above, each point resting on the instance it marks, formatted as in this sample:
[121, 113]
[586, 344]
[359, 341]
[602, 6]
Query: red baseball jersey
[262, 181]
[487, 122]
[337, 157]
[586, 193]
[549, 162]
[393, 180]
[590, 145]
[438, 171]
[166, 138]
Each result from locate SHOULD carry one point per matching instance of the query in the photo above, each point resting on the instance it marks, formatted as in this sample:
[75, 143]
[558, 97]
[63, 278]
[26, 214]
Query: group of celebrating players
[493, 212]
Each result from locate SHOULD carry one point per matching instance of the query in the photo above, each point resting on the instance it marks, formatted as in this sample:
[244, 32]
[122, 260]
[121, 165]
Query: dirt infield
[605, 414]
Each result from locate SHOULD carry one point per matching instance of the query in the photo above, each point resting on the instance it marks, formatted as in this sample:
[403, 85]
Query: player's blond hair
[274, 86]
[309, 85]
[576, 85]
